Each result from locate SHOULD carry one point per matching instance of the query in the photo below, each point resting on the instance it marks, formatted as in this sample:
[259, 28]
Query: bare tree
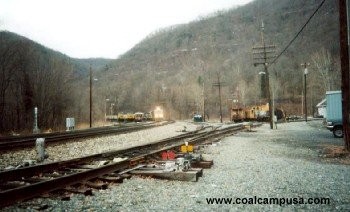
[326, 68]
[10, 63]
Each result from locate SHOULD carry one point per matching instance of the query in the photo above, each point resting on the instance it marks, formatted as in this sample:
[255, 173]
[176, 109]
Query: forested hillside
[32, 75]
[172, 65]
[175, 66]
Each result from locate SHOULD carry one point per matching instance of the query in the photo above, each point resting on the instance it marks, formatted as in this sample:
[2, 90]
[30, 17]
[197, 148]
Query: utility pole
[219, 84]
[305, 65]
[90, 97]
[344, 59]
[203, 94]
[203, 90]
[262, 55]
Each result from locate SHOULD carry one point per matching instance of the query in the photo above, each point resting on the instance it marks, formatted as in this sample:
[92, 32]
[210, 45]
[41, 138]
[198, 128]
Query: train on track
[254, 113]
[155, 115]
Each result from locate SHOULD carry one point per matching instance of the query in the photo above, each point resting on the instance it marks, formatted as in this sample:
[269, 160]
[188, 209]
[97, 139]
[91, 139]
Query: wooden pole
[344, 59]
[90, 97]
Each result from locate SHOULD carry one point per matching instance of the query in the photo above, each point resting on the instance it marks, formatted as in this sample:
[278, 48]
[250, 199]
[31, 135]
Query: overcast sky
[100, 28]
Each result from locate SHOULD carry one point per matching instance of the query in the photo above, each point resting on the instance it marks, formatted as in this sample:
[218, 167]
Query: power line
[297, 35]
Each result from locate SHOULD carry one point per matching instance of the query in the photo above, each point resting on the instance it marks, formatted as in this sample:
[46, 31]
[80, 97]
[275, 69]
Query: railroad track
[15, 142]
[29, 182]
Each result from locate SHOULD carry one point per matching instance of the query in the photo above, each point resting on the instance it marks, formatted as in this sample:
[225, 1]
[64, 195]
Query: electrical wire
[297, 35]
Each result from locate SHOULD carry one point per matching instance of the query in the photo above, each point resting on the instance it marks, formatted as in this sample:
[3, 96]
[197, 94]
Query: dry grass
[338, 153]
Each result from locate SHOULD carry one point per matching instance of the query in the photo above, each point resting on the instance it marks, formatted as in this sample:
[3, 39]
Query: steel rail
[29, 141]
[24, 172]
[12, 196]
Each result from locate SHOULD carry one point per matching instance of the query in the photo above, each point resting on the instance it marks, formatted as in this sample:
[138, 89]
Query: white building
[321, 109]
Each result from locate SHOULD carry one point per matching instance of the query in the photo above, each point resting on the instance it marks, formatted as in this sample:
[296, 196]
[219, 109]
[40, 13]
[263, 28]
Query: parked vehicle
[197, 118]
[334, 113]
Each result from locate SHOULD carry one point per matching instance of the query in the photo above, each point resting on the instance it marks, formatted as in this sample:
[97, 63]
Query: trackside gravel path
[282, 163]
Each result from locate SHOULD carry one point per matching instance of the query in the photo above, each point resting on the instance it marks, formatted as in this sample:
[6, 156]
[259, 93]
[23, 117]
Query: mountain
[97, 64]
[179, 67]
[171, 65]
[35, 76]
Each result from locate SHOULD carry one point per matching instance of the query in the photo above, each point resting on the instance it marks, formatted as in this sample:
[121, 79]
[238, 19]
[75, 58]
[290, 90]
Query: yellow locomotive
[155, 115]
[255, 112]
[124, 117]
[121, 117]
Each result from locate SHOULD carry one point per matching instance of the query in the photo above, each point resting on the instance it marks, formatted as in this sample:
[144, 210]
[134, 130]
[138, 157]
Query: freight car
[237, 114]
[139, 116]
[130, 117]
[123, 117]
[148, 116]
[254, 113]
[155, 115]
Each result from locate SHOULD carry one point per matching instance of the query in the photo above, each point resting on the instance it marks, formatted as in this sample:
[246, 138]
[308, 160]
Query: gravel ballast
[84, 147]
[282, 163]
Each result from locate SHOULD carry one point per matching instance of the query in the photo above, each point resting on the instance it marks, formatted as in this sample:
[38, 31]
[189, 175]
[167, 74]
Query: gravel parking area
[283, 163]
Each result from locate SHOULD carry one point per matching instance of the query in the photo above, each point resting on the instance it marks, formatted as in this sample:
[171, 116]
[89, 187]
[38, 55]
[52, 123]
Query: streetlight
[305, 73]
